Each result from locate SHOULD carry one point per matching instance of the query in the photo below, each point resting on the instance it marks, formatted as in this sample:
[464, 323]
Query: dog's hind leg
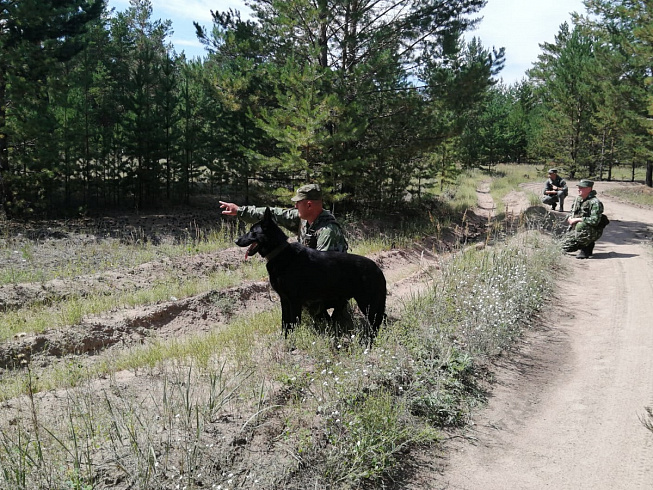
[342, 319]
[374, 310]
[317, 311]
[376, 316]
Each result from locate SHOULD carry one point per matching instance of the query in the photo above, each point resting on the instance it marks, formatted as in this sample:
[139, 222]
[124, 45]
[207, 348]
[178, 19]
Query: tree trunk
[323, 41]
[602, 159]
[649, 174]
[4, 150]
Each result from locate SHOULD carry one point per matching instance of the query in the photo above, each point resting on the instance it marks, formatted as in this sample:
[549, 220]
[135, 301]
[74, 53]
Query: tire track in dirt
[133, 326]
[407, 272]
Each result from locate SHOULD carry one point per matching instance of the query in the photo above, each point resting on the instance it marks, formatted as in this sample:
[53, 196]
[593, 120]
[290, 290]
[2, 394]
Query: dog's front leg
[290, 316]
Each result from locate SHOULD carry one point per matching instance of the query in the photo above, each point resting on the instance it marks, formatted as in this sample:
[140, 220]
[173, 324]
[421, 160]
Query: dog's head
[263, 237]
[252, 239]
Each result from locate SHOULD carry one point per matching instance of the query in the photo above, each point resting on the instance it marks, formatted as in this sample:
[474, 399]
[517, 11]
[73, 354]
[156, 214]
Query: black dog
[303, 276]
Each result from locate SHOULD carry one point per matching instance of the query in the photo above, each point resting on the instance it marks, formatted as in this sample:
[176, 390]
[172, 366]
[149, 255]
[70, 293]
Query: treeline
[370, 98]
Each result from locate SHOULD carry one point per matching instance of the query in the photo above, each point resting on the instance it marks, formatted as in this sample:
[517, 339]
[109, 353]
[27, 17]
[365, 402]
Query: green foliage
[593, 86]
[368, 436]
[333, 411]
[322, 92]
[623, 122]
[487, 138]
[510, 178]
[638, 195]
[448, 402]
[374, 100]
[36, 39]
[299, 124]
[565, 74]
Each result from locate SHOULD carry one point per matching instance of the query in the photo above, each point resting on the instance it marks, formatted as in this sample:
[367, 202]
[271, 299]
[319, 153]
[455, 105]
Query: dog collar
[276, 252]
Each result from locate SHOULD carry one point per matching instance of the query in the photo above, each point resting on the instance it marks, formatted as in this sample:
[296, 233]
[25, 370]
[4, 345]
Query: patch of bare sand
[251, 446]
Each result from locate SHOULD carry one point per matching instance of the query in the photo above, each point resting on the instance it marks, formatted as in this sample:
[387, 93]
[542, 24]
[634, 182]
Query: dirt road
[565, 413]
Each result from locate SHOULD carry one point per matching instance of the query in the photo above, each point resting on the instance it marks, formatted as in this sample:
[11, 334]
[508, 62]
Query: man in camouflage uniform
[555, 190]
[315, 226]
[585, 221]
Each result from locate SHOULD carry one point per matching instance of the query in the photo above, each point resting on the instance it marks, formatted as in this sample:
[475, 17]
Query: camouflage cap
[308, 191]
[586, 183]
[553, 170]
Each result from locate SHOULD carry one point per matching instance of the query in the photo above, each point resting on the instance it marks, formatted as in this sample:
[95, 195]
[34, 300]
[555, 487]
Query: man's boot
[582, 254]
[562, 205]
[553, 206]
[589, 250]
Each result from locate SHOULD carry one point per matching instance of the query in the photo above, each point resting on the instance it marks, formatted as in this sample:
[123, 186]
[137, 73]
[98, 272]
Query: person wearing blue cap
[586, 221]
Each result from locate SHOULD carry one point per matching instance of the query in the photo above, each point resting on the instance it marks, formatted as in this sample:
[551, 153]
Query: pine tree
[564, 77]
[168, 102]
[358, 125]
[459, 85]
[44, 32]
[142, 129]
[625, 27]
[299, 122]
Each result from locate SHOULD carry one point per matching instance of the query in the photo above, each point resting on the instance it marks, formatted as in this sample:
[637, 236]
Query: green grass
[71, 311]
[625, 174]
[504, 179]
[465, 190]
[640, 195]
[240, 406]
[368, 246]
[22, 259]
[370, 405]
[510, 178]
[234, 341]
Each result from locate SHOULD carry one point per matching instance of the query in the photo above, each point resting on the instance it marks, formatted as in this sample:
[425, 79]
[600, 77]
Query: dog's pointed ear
[267, 215]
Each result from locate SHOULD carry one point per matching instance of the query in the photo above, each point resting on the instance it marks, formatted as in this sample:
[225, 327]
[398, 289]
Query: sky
[518, 25]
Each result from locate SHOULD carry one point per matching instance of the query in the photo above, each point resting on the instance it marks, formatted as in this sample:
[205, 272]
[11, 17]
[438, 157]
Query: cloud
[183, 13]
[185, 10]
[181, 43]
[194, 10]
[521, 27]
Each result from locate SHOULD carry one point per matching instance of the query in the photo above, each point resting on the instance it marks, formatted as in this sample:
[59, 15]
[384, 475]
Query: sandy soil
[407, 273]
[565, 413]
[251, 451]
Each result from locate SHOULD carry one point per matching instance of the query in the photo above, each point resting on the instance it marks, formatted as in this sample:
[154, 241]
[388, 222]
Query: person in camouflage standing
[586, 221]
[315, 226]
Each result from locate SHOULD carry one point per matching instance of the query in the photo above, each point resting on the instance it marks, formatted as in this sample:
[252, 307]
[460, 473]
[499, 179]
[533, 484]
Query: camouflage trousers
[580, 237]
[551, 200]
[340, 321]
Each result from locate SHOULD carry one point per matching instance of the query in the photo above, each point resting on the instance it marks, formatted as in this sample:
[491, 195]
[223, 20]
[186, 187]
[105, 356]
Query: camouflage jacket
[324, 234]
[558, 182]
[589, 209]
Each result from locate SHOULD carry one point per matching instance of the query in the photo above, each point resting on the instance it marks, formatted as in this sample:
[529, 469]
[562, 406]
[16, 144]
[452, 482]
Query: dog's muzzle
[251, 250]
